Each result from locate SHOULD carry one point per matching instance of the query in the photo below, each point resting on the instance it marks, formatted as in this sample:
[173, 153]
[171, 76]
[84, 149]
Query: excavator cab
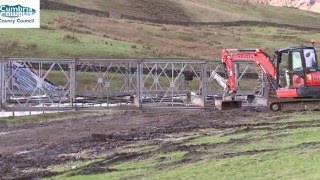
[302, 74]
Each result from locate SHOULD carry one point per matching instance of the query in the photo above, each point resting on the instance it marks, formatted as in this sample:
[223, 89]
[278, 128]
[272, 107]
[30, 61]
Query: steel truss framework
[112, 83]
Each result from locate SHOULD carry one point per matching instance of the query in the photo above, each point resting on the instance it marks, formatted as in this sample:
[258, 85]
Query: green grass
[54, 116]
[286, 139]
[177, 155]
[124, 170]
[224, 138]
[88, 38]
[50, 43]
[284, 165]
[275, 151]
[39, 118]
[47, 15]
[55, 43]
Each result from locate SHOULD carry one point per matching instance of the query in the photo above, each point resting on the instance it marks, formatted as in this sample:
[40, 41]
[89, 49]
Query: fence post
[72, 77]
[140, 85]
[204, 82]
[2, 83]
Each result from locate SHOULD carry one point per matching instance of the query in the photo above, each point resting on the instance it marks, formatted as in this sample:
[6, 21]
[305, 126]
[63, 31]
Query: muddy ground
[46, 144]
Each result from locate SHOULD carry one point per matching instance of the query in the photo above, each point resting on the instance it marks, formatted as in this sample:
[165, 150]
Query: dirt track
[40, 145]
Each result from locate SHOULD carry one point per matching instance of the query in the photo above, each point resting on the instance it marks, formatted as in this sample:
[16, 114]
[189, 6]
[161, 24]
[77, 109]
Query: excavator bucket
[227, 104]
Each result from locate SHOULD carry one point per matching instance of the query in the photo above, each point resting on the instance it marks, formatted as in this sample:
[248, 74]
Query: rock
[311, 5]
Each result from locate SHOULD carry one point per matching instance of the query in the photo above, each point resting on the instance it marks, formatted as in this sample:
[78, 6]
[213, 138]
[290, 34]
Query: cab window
[296, 61]
[310, 58]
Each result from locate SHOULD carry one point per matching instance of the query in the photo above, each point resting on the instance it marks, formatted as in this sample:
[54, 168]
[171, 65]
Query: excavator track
[294, 104]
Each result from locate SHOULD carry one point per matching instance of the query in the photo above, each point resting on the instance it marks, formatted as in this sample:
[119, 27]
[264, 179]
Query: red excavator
[300, 82]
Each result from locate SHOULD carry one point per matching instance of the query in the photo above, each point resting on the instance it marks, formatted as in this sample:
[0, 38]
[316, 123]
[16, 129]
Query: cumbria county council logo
[16, 11]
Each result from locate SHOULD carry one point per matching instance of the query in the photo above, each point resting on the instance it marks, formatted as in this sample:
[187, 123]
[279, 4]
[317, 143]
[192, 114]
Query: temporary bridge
[44, 84]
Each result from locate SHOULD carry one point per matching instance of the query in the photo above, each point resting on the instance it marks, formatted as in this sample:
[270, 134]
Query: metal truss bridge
[43, 84]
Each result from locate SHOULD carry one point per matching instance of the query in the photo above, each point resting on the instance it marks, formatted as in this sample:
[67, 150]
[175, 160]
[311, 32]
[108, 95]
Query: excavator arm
[229, 56]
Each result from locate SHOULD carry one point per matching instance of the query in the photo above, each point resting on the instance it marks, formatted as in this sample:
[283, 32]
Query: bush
[7, 47]
[106, 36]
[164, 29]
[69, 37]
[45, 26]
[32, 46]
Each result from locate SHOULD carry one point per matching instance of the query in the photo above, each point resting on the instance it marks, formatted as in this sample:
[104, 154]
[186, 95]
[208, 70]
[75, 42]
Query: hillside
[79, 35]
[193, 42]
[65, 34]
[202, 11]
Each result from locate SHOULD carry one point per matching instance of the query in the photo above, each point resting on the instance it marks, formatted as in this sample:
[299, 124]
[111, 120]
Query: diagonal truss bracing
[63, 84]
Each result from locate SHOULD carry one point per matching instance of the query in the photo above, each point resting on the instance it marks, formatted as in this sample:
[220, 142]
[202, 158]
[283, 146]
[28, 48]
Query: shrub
[45, 26]
[7, 47]
[69, 37]
[32, 46]
[106, 36]
[164, 29]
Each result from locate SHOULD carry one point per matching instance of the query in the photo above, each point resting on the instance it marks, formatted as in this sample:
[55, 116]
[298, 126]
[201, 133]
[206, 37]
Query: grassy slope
[21, 120]
[256, 12]
[288, 149]
[213, 11]
[106, 37]
[198, 42]
[51, 43]
[170, 40]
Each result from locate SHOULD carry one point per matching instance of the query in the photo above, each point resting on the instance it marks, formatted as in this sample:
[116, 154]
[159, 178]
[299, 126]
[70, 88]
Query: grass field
[59, 43]
[287, 148]
[193, 42]
[65, 34]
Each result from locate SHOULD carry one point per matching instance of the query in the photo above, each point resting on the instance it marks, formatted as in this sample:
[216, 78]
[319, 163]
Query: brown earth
[43, 145]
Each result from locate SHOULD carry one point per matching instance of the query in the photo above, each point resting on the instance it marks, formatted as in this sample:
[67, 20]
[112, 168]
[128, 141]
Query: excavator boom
[229, 57]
